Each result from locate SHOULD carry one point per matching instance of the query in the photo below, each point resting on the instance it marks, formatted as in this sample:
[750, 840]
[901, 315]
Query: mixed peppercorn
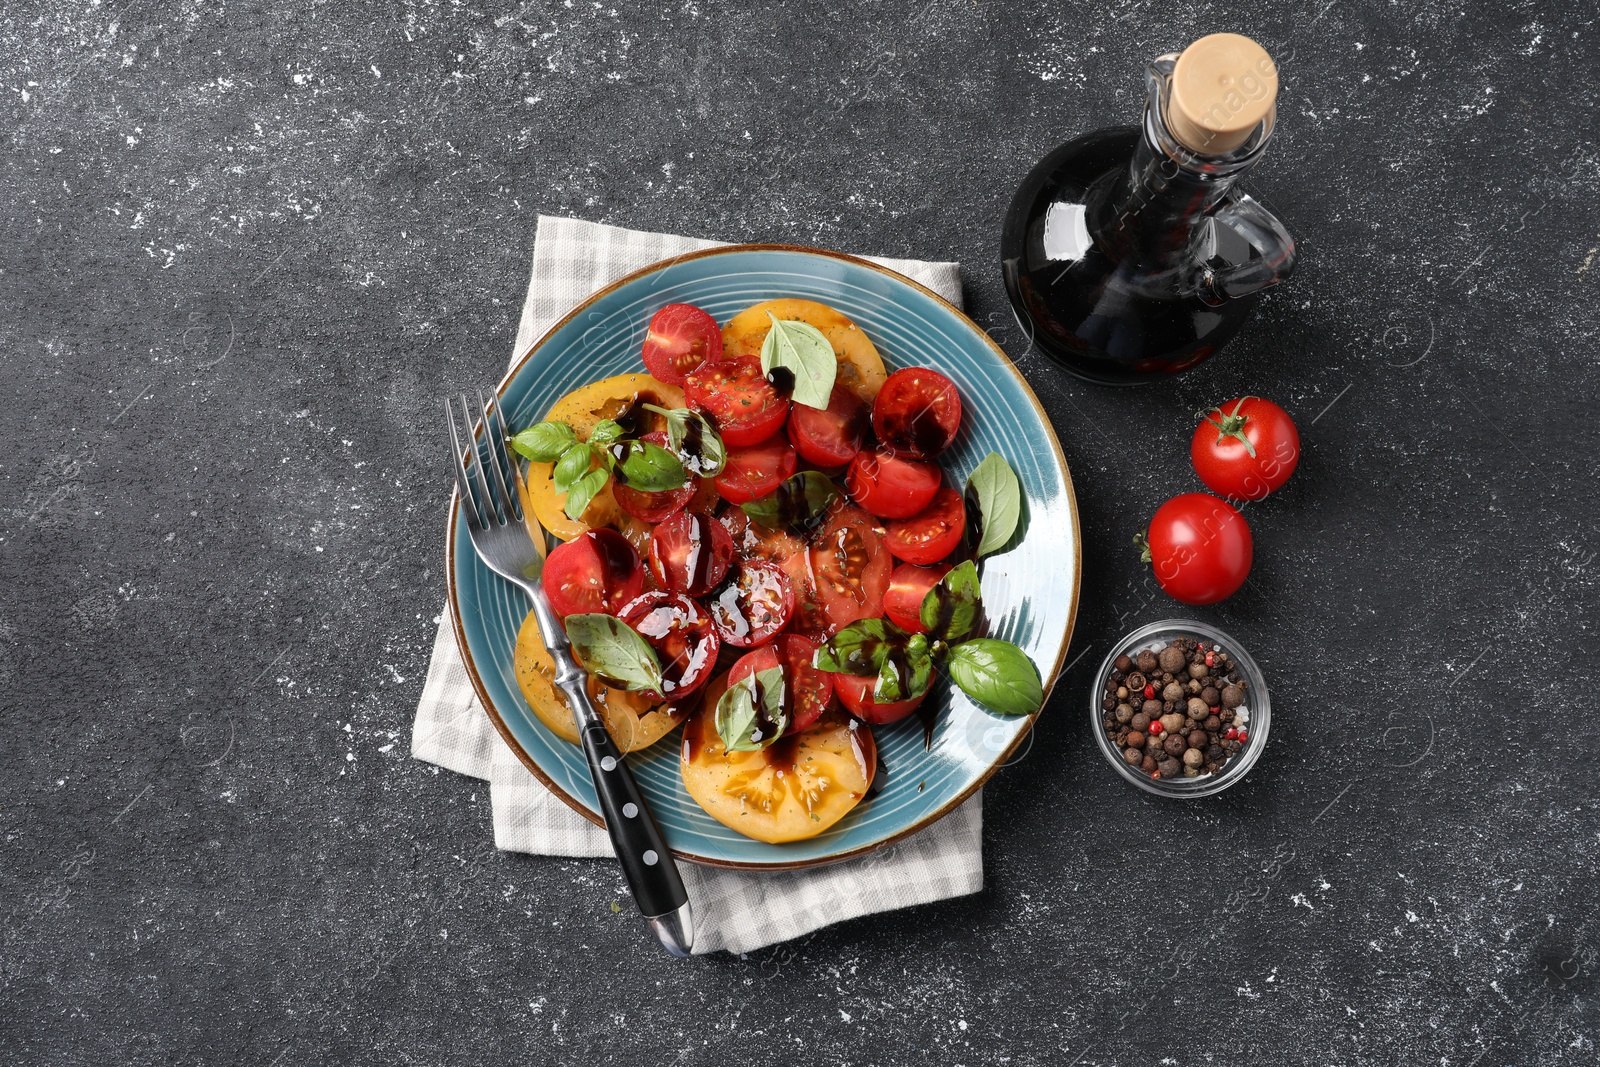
[1177, 711]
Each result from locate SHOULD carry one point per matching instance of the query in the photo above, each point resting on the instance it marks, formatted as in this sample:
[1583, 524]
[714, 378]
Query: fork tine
[497, 487]
[502, 435]
[475, 472]
[463, 478]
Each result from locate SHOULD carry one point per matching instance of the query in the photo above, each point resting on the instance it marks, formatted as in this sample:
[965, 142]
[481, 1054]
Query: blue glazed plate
[1030, 591]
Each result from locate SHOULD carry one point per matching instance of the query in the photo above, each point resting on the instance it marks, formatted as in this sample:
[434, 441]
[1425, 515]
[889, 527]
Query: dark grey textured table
[247, 247]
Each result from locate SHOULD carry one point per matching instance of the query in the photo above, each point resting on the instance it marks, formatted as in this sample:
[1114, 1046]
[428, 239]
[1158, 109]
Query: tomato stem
[1232, 425]
[1144, 547]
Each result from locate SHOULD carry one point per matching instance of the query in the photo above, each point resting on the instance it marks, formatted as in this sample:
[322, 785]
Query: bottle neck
[1151, 214]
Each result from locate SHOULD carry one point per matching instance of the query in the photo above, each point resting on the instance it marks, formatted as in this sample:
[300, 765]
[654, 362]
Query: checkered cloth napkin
[734, 911]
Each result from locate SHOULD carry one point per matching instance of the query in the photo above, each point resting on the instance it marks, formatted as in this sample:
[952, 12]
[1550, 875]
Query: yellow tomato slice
[791, 791]
[634, 720]
[860, 367]
[582, 409]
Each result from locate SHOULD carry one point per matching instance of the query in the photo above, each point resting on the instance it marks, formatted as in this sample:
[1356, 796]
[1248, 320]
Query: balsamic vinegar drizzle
[782, 381]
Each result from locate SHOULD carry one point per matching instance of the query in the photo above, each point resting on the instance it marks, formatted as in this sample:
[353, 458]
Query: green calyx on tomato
[1232, 425]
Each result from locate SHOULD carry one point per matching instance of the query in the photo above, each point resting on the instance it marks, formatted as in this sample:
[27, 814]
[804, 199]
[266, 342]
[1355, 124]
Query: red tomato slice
[810, 617]
[932, 533]
[681, 337]
[596, 571]
[753, 605]
[682, 636]
[737, 395]
[891, 487]
[849, 568]
[809, 690]
[829, 438]
[653, 507]
[856, 694]
[689, 553]
[917, 412]
[755, 472]
[908, 588]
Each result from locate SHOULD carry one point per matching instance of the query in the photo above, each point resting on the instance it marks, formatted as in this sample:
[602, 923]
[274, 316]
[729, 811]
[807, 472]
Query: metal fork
[490, 494]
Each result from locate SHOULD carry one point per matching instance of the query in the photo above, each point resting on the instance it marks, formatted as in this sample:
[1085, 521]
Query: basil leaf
[951, 608]
[605, 431]
[573, 464]
[583, 491]
[694, 439]
[612, 651]
[799, 502]
[805, 352]
[996, 674]
[648, 468]
[750, 715]
[906, 671]
[859, 648]
[545, 441]
[999, 496]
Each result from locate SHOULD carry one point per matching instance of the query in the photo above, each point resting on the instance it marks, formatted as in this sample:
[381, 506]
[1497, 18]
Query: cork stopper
[1222, 87]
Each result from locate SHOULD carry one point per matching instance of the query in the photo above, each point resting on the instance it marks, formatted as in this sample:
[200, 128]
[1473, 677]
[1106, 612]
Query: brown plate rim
[927, 820]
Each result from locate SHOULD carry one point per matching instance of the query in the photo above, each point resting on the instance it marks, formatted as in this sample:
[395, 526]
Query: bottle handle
[1275, 254]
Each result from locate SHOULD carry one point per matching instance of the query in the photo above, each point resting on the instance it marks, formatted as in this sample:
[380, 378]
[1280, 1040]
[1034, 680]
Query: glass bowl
[1257, 703]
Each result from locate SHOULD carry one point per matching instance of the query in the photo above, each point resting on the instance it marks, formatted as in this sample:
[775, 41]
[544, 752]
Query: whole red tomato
[1245, 448]
[1199, 547]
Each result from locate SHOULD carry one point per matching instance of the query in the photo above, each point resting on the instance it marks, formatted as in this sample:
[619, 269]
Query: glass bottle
[1130, 252]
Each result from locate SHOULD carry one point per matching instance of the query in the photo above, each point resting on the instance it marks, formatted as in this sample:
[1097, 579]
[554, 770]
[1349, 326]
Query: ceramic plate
[1029, 592]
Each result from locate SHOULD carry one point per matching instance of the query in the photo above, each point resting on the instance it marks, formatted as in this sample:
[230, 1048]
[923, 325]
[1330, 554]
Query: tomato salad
[756, 539]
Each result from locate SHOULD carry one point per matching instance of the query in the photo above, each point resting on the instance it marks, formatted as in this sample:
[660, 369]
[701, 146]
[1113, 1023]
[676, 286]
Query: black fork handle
[648, 864]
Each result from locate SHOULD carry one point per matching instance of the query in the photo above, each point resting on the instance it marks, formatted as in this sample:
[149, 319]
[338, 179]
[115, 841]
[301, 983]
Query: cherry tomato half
[689, 553]
[809, 691]
[832, 437]
[653, 507]
[1200, 548]
[756, 471]
[891, 487]
[597, 571]
[753, 605]
[682, 636]
[856, 694]
[1245, 448]
[917, 413]
[737, 395]
[681, 337]
[908, 588]
[848, 567]
[932, 533]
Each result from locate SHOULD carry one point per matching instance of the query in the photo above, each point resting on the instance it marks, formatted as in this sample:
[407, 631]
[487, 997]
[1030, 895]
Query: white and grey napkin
[733, 910]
